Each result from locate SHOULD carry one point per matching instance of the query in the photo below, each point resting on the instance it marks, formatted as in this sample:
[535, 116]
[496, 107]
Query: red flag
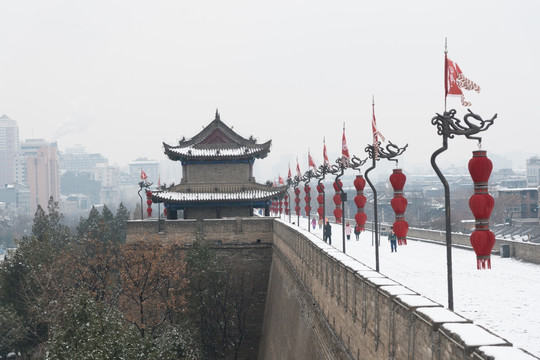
[345, 157]
[455, 81]
[143, 175]
[376, 134]
[311, 163]
[289, 176]
[281, 182]
[325, 155]
[298, 173]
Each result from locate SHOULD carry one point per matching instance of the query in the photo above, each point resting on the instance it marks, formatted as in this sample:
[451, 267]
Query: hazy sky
[121, 77]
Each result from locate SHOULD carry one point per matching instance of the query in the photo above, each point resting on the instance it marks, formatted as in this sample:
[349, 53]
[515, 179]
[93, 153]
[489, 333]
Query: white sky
[121, 77]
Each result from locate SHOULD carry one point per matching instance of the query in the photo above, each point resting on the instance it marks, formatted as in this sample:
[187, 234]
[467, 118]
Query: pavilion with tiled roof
[217, 175]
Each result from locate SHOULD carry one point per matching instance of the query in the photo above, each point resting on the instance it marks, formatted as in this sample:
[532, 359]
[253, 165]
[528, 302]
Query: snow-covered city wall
[321, 301]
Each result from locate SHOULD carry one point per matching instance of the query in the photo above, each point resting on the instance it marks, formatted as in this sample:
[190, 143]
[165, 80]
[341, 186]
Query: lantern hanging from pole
[481, 204]
[149, 202]
[320, 200]
[280, 206]
[399, 205]
[338, 212]
[307, 198]
[286, 204]
[297, 201]
[360, 201]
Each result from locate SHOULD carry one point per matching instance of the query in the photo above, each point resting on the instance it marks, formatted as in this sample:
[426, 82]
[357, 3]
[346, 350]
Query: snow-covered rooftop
[252, 194]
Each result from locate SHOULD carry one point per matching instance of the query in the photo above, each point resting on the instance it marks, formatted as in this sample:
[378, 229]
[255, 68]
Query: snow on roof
[223, 152]
[252, 194]
[474, 335]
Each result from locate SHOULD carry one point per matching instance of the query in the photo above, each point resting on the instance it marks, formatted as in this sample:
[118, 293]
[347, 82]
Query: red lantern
[149, 202]
[397, 179]
[336, 187]
[338, 214]
[307, 189]
[165, 211]
[297, 209]
[307, 208]
[320, 199]
[360, 219]
[482, 243]
[399, 205]
[149, 211]
[480, 167]
[481, 204]
[359, 183]
[401, 227]
[360, 202]
[297, 191]
[320, 211]
[337, 199]
[320, 188]
[297, 200]
[148, 193]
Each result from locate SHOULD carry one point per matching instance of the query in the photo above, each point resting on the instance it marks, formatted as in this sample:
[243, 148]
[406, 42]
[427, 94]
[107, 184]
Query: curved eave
[178, 153]
[206, 197]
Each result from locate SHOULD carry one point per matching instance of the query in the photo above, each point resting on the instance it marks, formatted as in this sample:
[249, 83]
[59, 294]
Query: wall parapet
[372, 316]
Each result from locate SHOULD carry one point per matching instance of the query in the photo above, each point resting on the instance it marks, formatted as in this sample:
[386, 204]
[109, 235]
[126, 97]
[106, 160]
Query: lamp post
[289, 184]
[448, 126]
[143, 184]
[375, 153]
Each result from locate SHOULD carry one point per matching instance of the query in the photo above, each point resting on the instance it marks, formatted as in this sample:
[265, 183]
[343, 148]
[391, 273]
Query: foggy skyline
[122, 77]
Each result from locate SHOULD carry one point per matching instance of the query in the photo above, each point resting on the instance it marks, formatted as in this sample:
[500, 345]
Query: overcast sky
[121, 77]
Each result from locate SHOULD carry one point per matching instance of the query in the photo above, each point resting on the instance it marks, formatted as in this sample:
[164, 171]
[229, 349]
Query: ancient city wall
[322, 304]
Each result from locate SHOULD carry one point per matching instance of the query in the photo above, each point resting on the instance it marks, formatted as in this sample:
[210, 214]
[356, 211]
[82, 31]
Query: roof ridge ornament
[217, 115]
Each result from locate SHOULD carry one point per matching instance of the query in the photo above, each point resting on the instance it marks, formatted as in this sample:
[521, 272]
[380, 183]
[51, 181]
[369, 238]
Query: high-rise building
[41, 172]
[9, 147]
[150, 168]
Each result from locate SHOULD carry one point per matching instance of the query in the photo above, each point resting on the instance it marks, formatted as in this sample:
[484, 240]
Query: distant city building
[150, 167]
[76, 160]
[533, 171]
[42, 175]
[9, 148]
[519, 204]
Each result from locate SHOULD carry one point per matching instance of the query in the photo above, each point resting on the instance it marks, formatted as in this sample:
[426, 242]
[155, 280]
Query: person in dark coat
[393, 240]
[357, 232]
[328, 233]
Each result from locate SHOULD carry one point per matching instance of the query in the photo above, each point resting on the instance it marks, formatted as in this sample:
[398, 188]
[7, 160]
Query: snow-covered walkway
[502, 299]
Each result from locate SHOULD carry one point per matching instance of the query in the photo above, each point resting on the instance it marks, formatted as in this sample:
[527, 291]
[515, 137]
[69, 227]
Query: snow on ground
[502, 299]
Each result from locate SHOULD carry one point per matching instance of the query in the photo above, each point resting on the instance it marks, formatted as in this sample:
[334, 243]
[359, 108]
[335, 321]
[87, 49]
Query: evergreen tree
[121, 219]
[90, 330]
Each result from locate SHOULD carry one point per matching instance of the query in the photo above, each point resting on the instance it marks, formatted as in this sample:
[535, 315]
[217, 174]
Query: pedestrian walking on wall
[393, 240]
[357, 232]
[313, 223]
[321, 222]
[348, 230]
[328, 233]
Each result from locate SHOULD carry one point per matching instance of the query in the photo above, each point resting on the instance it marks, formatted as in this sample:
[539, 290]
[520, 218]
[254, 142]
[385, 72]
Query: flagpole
[445, 72]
